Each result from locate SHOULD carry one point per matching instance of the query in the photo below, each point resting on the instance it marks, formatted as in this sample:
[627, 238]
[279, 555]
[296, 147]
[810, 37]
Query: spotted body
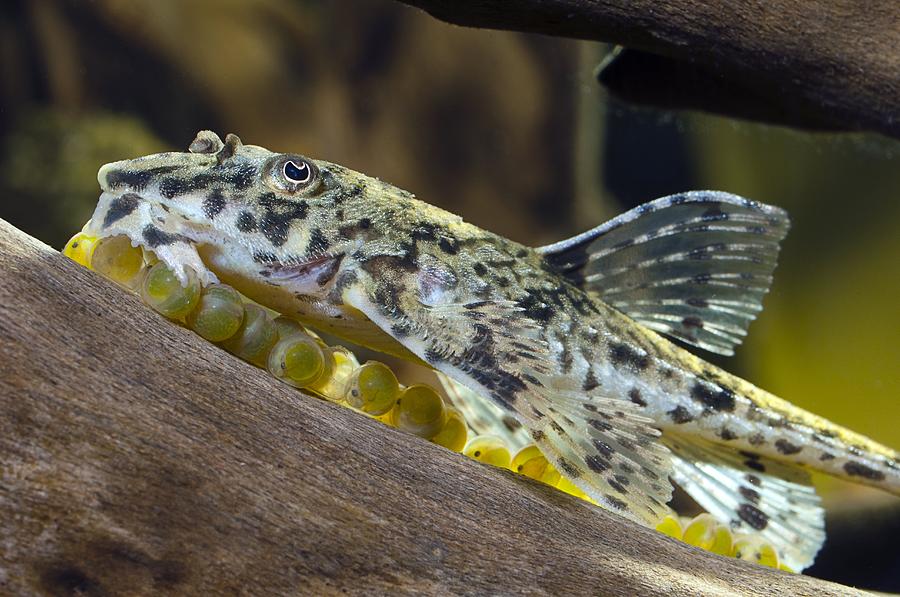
[561, 343]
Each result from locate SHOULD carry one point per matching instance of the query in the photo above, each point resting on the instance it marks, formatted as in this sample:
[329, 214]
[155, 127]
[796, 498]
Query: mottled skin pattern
[362, 259]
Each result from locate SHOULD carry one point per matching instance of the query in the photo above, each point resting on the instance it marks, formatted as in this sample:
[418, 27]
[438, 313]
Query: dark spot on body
[753, 516]
[241, 177]
[318, 244]
[755, 465]
[680, 415]
[425, 231]
[154, 237]
[174, 187]
[858, 469]
[727, 434]
[449, 245]
[590, 381]
[617, 486]
[401, 330]
[596, 464]
[786, 447]
[535, 308]
[279, 215]
[537, 435]
[718, 399]
[246, 222]
[479, 268]
[511, 423]
[753, 480]
[136, 179]
[616, 502]
[756, 439]
[603, 448]
[213, 204]
[826, 456]
[649, 473]
[623, 355]
[120, 207]
[634, 395]
[568, 468]
[600, 425]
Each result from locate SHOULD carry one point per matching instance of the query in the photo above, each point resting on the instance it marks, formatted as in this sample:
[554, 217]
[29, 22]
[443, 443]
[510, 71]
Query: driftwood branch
[825, 64]
[138, 459]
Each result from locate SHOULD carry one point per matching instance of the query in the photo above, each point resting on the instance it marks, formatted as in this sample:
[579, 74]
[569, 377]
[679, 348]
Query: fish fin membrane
[694, 266]
[608, 449]
[483, 416]
[753, 495]
[605, 446]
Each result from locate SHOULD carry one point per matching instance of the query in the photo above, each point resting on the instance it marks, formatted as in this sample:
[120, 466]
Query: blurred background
[509, 130]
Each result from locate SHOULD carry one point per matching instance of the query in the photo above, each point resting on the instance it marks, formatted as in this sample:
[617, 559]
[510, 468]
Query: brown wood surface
[822, 63]
[138, 459]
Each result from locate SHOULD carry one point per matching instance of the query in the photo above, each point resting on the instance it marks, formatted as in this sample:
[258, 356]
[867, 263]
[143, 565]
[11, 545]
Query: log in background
[831, 64]
[139, 459]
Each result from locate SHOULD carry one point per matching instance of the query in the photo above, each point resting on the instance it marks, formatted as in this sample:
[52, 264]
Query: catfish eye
[291, 174]
[297, 172]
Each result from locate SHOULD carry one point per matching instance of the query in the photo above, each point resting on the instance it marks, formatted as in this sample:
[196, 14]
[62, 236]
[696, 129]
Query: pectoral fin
[777, 503]
[603, 445]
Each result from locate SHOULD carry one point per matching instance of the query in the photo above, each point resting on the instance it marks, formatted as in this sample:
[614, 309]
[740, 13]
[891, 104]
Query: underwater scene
[511, 131]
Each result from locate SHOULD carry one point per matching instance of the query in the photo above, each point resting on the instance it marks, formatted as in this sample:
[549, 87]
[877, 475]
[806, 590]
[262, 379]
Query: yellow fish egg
[488, 449]
[80, 248]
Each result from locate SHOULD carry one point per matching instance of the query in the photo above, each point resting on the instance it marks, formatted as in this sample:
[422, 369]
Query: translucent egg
[670, 526]
[532, 463]
[287, 326]
[324, 385]
[117, 260]
[297, 360]
[454, 433]
[162, 291]
[341, 364]
[80, 248]
[420, 410]
[488, 449]
[255, 338]
[701, 531]
[372, 388]
[218, 315]
[754, 549]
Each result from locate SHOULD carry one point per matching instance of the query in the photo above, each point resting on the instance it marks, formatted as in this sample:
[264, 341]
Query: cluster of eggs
[298, 357]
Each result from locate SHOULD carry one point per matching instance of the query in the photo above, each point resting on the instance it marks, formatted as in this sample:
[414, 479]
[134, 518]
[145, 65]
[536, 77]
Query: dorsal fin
[694, 266]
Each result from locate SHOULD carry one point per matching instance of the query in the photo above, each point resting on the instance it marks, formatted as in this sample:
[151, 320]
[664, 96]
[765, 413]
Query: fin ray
[780, 505]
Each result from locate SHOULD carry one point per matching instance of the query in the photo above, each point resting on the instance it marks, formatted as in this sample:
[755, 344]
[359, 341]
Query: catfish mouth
[311, 273]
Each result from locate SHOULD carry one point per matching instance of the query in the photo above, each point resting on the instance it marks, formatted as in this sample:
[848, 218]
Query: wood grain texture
[827, 64]
[138, 459]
